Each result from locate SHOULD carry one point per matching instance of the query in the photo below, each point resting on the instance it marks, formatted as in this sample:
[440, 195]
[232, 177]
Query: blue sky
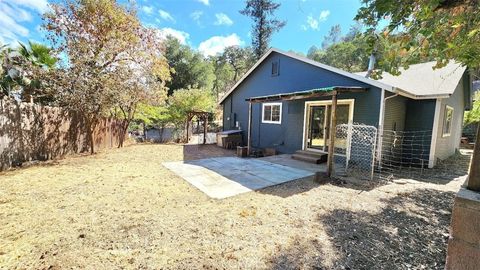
[206, 25]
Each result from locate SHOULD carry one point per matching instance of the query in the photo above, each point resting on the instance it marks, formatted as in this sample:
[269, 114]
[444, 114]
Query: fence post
[373, 152]
[333, 130]
[349, 143]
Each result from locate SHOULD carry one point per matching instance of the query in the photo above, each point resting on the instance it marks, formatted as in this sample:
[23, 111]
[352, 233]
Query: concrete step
[311, 157]
[310, 153]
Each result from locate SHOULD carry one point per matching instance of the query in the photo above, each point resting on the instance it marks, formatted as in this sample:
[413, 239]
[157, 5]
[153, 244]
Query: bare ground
[123, 210]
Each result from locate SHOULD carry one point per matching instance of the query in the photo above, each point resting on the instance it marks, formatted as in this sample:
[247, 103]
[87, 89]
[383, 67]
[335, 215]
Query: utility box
[242, 151]
[229, 137]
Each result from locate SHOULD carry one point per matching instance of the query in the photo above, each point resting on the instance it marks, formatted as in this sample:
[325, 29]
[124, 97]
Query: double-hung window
[272, 113]
[447, 121]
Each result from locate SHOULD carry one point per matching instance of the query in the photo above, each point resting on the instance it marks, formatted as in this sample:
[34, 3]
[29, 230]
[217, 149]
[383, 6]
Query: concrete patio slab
[224, 177]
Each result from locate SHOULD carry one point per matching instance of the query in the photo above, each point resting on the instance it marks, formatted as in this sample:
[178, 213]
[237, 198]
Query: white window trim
[263, 113]
[445, 121]
[350, 102]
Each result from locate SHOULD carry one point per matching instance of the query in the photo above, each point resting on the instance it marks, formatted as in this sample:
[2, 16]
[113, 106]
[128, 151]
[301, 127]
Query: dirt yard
[123, 210]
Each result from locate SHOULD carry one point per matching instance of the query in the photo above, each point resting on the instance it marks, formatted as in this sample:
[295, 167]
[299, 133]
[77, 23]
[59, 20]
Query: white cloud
[38, 5]
[196, 15]
[180, 35]
[13, 14]
[165, 15]
[147, 9]
[324, 15]
[314, 22]
[217, 44]
[223, 19]
[205, 2]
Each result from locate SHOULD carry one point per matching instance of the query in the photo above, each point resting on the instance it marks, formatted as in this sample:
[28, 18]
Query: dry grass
[123, 209]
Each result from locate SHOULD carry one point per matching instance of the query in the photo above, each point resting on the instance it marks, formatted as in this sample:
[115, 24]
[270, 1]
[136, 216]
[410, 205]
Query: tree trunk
[91, 139]
[474, 174]
[123, 132]
[91, 124]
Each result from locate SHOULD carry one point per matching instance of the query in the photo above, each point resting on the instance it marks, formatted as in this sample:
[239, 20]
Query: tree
[240, 59]
[473, 116]
[22, 70]
[442, 29]
[351, 55]
[224, 75]
[101, 41]
[265, 24]
[142, 80]
[189, 68]
[191, 99]
[333, 37]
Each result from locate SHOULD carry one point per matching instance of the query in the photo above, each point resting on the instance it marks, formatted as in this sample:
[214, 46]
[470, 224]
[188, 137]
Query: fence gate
[355, 146]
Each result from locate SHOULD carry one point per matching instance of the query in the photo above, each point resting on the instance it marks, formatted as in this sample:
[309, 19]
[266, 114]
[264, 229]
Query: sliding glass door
[317, 129]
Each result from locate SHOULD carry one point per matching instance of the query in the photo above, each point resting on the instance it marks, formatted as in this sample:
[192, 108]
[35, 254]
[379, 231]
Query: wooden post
[205, 123]
[249, 139]
[474, 174]
[188, 125]
[333, 129]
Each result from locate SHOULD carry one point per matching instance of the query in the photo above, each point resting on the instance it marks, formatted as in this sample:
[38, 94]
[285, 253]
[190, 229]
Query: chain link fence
[355, 146]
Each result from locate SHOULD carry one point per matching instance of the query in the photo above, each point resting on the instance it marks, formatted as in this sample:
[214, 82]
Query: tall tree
[240, 59]
[334, 36]
[100, 39]
[189, 68]
[265, 24]
[223, 75]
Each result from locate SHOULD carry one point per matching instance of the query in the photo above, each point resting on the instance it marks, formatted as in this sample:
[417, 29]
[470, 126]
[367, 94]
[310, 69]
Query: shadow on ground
[444, 171]
[410, 232]
[199, 151]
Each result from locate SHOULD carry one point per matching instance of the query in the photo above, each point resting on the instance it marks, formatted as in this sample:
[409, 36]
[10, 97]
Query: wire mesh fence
[363, 152]
[404, 154]
[355, 146]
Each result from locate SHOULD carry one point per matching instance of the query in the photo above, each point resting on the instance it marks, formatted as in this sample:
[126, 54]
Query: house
[290, 97]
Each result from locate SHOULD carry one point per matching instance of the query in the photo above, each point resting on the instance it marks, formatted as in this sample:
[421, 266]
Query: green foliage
[22, 70]
[113, 62]
[264, 23]
[152, 115]
[191, 99]
[189, 68]
[224, 74]
[442, 30]
[349, 52]
[473, 116]
[333, 37]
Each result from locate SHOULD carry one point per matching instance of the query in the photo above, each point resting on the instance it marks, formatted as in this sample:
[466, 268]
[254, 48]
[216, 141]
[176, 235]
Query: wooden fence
[33, 132]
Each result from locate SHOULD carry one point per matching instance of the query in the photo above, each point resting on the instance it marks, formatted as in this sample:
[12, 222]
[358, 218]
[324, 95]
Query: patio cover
[317, 92]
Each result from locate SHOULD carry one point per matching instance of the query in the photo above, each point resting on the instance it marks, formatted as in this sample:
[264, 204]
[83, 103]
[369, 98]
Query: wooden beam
[305, 95]
[205, 124]
[188, 126]
[474, 174]
[333, 129]
[249, 136]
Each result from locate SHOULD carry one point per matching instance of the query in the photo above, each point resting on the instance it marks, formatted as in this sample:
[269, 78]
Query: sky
[206, 25]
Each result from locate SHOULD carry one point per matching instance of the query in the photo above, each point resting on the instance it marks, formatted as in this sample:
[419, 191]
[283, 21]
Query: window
[447, 121]
[275, 68]
[272, 113]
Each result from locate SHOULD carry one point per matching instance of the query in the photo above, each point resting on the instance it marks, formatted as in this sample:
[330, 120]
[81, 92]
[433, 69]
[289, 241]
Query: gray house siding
[447, 145]
[294, 75]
